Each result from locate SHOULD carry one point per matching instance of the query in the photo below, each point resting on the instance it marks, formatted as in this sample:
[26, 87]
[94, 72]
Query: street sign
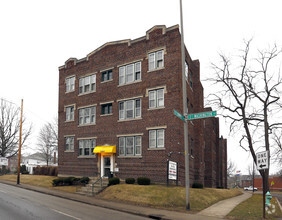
[262, 160]
[201, 115]
[176, 113]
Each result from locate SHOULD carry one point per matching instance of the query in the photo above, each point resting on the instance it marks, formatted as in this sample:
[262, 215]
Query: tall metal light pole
[184, 100]
[20, 144]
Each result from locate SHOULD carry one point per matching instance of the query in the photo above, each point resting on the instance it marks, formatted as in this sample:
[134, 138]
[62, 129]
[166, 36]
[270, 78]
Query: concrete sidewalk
[222, 208]
[219, 210]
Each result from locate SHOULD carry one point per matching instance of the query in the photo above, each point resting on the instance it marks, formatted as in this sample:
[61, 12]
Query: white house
[35, 160]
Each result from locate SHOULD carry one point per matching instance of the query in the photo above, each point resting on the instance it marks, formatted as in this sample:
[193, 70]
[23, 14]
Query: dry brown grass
[166, 197]
[39, 180]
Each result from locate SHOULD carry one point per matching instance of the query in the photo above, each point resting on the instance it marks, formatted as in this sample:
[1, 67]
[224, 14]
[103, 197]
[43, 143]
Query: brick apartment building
[119, 102]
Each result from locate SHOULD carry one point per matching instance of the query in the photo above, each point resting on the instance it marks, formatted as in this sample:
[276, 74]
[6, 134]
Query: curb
[83, 201]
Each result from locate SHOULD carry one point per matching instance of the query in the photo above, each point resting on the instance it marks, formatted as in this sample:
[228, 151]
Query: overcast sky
[39, 36]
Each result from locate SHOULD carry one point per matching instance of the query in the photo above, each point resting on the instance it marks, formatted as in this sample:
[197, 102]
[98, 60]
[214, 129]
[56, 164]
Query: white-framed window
[130, 146]
[130, 109]
[130, 73]
[87, 115]
[70, 113]
[86, 147]
[87, 84]
[70, 84]
[156, 60]
[156, 98]
[156, 138]
[186, 70]
[69, 143]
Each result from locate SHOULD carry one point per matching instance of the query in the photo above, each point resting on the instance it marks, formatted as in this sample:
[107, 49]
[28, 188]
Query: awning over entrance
[105, 149]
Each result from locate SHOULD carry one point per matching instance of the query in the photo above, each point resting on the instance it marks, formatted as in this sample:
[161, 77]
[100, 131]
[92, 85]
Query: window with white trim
[70, 84]
[69, 143]
[87, 84]
[156, 98]
[86, 147]
[130, 146]
[87, 115]
[130, 73]
[186, 70]
[156, 138]
[156, 60]
[70, 113]
[130, 109]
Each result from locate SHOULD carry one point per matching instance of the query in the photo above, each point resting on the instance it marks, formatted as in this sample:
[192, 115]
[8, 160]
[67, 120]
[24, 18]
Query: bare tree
[231, 167]
[277, 146]
[48, 141]
[250, 97]
[9, 129]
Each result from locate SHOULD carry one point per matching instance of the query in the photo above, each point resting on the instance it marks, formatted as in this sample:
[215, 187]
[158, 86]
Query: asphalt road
[17, 203]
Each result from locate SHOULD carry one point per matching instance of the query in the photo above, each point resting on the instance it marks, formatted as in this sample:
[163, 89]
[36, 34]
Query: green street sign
[176, 113]
[201, 115]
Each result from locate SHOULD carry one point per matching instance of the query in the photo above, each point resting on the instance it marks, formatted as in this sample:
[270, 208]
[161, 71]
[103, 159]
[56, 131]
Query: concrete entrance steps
[94, 186]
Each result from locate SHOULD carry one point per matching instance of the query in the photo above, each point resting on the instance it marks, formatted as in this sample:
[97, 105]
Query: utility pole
[184, 96]
[20, 145]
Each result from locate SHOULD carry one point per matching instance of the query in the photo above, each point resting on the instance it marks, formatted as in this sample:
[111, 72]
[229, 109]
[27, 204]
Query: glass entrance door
[107, 166]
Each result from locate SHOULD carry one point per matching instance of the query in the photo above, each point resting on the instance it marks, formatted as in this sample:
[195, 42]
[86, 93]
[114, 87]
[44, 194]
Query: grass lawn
[39, 180]
[172, 198]
[252, 208]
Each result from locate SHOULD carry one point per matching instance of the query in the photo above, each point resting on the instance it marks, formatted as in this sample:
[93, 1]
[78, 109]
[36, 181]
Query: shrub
[84, 180]
[197, 185]
[114, 181]
[143, 181]
[129, 180]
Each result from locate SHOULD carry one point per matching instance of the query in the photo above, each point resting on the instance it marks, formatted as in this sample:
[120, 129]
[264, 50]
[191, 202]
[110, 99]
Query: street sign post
[262, 160]
[201, 115]
[176, 113]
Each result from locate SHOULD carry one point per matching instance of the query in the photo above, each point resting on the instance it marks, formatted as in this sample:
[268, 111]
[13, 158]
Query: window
[156, 138]
[86, 147]
[192, 146]
[87, 84]
[129, 73]
[106, 109]
[156, 60]
[70, 84]
[191, 79]
[156, 98]
[130, 146]
[186, 70]
[87, 115]
[130, 109]
[70, 113]
[69, 143]
[107, 75]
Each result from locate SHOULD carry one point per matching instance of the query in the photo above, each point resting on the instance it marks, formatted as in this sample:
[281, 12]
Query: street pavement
[216, 211]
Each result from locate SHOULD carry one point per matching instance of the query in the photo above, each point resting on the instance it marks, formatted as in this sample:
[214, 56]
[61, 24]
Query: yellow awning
[105, 149]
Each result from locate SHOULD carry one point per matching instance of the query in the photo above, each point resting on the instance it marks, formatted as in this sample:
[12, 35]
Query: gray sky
[39, 36]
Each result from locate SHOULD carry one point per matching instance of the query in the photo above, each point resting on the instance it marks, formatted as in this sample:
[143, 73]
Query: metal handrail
[100, 179]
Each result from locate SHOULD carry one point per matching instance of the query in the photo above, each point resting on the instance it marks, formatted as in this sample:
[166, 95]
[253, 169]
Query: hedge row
[48, 171]
[140, 181]
[68, 181]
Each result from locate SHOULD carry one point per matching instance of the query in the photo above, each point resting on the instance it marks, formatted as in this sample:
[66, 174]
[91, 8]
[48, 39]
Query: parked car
[250, 188]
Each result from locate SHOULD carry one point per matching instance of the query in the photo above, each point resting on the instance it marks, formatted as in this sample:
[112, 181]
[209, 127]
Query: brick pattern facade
[107, 129]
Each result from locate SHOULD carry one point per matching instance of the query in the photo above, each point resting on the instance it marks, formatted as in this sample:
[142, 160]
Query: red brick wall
[277, 183]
